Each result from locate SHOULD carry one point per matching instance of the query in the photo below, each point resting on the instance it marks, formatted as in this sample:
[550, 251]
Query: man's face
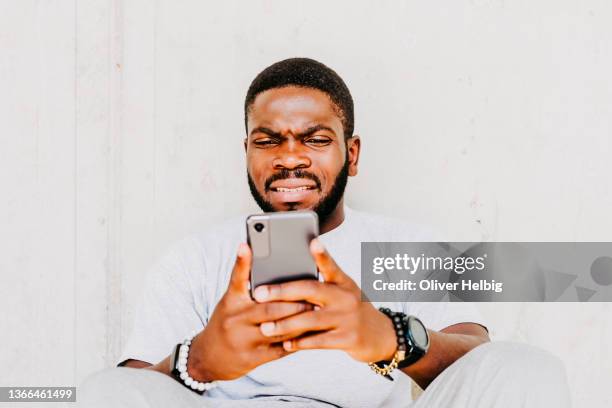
[297, 157]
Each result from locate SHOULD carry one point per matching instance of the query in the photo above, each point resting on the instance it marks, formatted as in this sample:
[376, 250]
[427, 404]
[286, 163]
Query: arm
[135, 364]
[446, 347]
[342, 321]
[232, 330]
[161, 367]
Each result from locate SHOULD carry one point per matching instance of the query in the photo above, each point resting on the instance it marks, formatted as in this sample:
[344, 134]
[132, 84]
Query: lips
[293, 185]
[293, 190]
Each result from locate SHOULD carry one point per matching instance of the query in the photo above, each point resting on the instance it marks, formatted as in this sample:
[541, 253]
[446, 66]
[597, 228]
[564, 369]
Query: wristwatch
[412, 343]
[417, 340]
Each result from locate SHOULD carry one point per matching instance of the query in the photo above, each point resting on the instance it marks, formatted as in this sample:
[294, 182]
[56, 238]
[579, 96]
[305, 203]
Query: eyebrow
[307, 132]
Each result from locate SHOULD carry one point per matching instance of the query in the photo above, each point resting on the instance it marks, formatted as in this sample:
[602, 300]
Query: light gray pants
[496, 374]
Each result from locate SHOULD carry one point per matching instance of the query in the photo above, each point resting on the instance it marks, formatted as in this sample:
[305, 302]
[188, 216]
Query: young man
[307, 343]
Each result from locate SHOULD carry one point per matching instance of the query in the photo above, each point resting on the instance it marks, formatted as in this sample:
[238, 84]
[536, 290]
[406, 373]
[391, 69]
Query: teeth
[289, 190]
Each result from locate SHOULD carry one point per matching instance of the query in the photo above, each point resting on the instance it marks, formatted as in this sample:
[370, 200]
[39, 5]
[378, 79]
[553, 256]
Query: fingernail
[261, 293]
[317, 246]
[267, 328]
[287, 345]
[242, 250]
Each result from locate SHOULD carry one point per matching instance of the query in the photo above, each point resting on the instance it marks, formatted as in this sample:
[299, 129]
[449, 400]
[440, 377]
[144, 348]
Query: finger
[261, 339]
[253, 337]
[327, 266]
[270, 352]
[325, 340]
[270, 311]
[312, 291]
[239, 281]
[299, 324]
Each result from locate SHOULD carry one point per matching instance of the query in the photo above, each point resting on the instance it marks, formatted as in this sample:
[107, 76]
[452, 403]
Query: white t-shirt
[185, 285]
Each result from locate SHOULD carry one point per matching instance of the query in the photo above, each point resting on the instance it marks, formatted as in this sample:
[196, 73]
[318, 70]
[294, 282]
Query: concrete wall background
[121, 129]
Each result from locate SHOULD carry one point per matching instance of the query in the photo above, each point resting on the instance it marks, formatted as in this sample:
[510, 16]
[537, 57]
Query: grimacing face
[296, 154]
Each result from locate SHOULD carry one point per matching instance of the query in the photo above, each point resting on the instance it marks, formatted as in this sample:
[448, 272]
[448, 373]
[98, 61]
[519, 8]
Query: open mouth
[293, 185]
[291, 189]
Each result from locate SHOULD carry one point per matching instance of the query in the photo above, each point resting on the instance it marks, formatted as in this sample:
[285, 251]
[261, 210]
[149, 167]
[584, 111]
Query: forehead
[293, 107]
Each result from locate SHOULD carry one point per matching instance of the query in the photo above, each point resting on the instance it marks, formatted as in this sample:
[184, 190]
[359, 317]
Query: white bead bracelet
[181, 366]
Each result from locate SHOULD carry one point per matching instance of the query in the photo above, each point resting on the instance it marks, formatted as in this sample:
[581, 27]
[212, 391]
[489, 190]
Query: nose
[291, 158]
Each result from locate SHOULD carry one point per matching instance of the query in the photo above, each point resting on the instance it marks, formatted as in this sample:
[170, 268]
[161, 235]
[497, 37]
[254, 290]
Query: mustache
[286, 174]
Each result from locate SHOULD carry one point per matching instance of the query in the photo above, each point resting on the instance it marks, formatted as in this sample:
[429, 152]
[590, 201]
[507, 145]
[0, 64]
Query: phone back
[280, 244]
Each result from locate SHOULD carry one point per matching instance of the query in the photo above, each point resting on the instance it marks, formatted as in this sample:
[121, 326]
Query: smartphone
[280, 244]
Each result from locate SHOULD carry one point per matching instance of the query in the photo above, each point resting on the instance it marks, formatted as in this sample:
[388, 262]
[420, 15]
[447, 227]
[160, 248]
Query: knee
[110, 377]
[520, 357]
[109, 387]
[504, 373]
[522, 363]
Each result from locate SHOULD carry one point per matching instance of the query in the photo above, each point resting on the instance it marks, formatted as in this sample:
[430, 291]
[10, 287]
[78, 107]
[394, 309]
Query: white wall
[121, 129]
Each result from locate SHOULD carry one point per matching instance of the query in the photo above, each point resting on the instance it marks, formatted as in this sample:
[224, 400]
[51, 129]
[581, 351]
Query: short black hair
[307, 73]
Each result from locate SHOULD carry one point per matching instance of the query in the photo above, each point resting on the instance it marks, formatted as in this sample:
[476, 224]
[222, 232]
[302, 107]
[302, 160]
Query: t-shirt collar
[343, 225]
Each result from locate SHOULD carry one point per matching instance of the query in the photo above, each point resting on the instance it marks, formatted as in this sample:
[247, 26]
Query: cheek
[329, 167]
[255, 167]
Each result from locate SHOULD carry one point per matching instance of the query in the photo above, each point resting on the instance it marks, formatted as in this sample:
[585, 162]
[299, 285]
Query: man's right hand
[232, 343]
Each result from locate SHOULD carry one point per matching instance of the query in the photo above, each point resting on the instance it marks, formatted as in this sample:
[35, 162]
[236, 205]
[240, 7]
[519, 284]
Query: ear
[353, 145]
[246, 139]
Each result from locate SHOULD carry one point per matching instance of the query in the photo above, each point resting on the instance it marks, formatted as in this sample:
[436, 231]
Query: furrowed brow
[265, 130]
[314, 129]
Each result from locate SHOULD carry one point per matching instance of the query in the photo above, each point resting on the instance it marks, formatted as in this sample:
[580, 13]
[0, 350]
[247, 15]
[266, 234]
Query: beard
[324, 207]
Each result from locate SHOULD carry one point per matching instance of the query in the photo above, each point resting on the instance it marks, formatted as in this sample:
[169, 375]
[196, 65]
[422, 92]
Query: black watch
[417, 341]
[174, 357]
[411, 335]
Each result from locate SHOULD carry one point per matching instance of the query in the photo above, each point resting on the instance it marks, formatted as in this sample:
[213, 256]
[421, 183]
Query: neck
[334, 219]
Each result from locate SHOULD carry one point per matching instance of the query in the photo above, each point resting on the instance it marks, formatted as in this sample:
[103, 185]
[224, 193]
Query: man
[306, 343]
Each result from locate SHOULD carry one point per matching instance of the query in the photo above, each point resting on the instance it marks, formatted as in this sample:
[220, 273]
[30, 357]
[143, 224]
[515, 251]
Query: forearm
[445, 347]
[200, 366]
[161, 367]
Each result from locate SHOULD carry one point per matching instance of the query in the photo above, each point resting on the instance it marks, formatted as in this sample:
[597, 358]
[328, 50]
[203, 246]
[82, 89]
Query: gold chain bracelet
[388, 368]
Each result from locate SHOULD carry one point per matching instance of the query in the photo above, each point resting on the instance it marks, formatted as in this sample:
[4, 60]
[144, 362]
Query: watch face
[418, 332]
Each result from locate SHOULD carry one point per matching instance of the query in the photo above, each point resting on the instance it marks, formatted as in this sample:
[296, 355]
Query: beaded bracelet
[181, 369]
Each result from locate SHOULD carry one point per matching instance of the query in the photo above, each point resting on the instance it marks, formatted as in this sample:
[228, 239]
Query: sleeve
[440, 315]
[168, 310]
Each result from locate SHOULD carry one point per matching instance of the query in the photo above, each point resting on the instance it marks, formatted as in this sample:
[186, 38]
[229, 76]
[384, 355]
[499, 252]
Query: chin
[304, 203]
[293, 207]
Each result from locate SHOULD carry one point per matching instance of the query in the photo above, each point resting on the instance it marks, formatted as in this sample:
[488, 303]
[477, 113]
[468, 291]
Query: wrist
[180, 371]
[389, 339]
[412, 342]
[197, 366]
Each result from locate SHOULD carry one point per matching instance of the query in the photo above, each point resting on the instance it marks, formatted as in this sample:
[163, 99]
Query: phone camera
[258, 227]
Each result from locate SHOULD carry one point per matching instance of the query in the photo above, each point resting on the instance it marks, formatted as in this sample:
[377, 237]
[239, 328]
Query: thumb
[327, 266]
[239, 281]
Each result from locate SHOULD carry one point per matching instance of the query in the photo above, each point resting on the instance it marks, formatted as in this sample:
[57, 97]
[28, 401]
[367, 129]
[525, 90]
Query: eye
[319, 140]
[265, 142]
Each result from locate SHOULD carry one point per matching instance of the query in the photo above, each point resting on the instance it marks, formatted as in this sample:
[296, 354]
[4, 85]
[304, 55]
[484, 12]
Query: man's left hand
[340, 320]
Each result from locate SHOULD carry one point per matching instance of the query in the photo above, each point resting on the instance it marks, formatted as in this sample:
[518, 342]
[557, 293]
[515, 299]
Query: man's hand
[340, 319]
[231, 345]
